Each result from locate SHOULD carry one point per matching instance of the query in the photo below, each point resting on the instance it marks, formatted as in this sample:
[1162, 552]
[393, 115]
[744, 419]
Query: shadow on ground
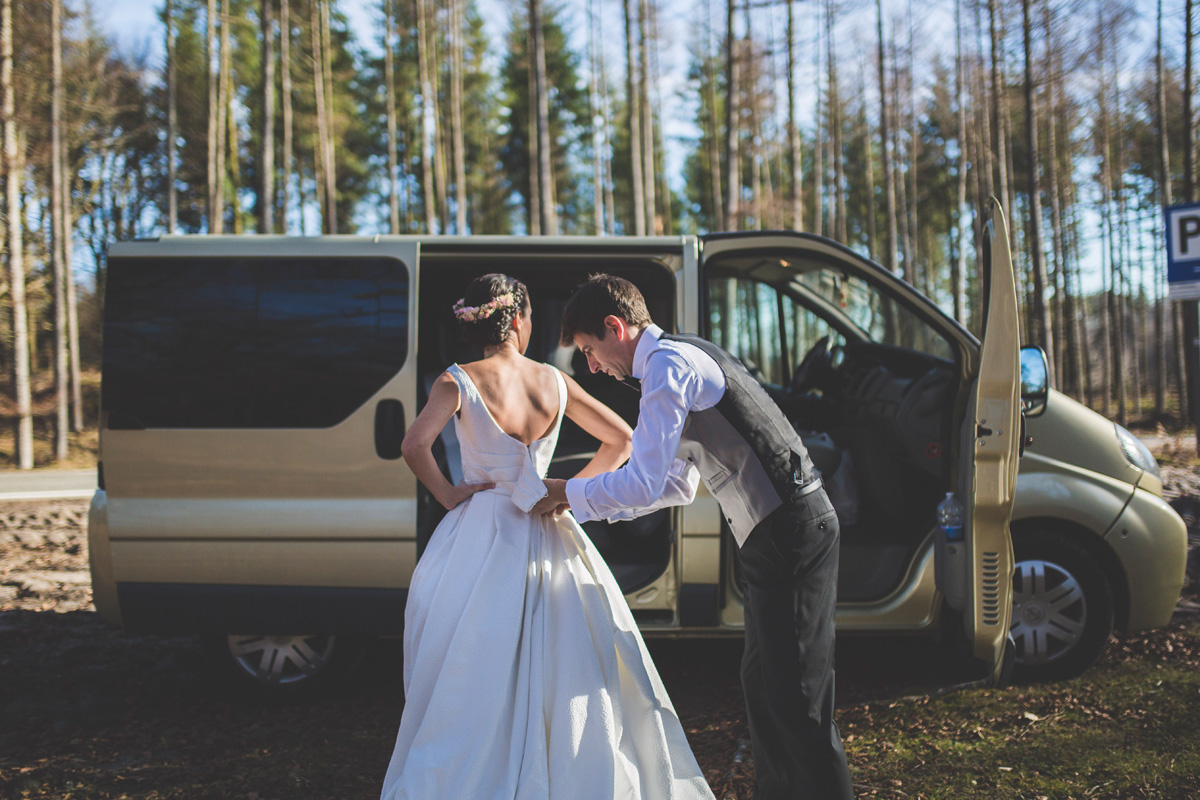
[99, 713]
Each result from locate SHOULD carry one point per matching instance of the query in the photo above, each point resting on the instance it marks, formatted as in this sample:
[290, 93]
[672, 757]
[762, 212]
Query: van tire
[269, 667]
[1062, 607]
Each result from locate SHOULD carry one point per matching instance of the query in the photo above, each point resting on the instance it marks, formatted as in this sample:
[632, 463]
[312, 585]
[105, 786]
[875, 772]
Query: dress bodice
[491, 455]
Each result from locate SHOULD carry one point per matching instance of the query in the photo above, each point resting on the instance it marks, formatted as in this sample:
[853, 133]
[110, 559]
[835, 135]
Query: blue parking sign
[1183, 251]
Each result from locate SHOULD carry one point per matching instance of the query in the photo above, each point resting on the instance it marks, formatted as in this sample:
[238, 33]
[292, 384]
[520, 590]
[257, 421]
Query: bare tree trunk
[440, 143]
[389, 72]
[321, 154]
[917, 273]
[1141, 349]
[61, 379]
[1127, 298]
[172, 122]
[1040, 313]
[958, 266]
[840, 230]
[976, 195]
[223, 119]
[1112, 178]
[753, 123]
[542, 99]
[1181, 383]
[983, 138]
[1164, 186]
[285, 68]
[266, 199]
[1110, 375]
[535, 194]
[610, 203]
[428, 120]
[16, 246]
[663, 190]
[997, 110]
[593, 114]
[1188, 118]
[865, 128]
[906, 270]
[714, 127]
[68, 230]
[732, 123]
[1077, 305]
[1056, 220]
[213, 205]
[330, 117]
[1106, 333]
[653, 225]
[889, 253]
[793, 131]
[456, 116]
[634, 109]
[72, 303]
[820, 139]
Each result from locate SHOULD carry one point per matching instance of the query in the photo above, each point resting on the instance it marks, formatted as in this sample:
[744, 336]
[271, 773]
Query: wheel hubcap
[1049, 612]
[280, 660]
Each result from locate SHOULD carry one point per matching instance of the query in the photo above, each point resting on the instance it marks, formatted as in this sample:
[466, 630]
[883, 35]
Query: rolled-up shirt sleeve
[654, 477]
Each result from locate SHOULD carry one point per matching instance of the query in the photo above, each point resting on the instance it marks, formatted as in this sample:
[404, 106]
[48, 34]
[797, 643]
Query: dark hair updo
[484, 322]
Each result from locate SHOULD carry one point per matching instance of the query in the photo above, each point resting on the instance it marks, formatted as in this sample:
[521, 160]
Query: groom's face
[605, 355]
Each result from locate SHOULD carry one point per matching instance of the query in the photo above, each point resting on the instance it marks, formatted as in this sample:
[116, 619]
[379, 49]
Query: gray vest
[748, 454]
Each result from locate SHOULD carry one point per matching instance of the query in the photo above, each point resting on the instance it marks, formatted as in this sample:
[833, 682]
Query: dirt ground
[89, 711]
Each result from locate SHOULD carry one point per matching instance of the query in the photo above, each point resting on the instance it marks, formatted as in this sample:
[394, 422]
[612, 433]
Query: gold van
[256, 390]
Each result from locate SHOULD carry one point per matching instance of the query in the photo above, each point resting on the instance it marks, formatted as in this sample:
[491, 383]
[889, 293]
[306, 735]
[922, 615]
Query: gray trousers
[790, 566]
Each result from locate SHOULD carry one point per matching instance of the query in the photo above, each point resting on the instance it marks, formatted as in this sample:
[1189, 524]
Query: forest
[886, 126]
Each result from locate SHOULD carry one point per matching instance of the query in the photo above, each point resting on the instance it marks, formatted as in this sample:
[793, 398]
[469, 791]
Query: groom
[704, 417]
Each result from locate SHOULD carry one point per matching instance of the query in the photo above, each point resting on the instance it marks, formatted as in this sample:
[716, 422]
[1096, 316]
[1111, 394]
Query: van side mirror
[1035, 381]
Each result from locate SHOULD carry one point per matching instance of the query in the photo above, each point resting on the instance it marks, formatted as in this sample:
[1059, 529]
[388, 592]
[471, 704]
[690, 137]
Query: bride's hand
[462, 491]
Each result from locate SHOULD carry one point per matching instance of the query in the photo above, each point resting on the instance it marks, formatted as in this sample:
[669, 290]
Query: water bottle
[950, 518]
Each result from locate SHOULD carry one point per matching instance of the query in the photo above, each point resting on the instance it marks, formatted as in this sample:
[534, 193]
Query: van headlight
[1137, 453]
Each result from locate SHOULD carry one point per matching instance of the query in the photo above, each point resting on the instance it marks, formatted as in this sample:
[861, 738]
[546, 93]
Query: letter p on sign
[1183, 251]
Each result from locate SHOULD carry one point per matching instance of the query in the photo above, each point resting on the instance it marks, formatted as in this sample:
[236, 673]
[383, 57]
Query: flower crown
[475, 313]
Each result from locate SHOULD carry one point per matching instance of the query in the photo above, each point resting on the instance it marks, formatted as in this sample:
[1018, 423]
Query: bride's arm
[417, 446]
[602, 422]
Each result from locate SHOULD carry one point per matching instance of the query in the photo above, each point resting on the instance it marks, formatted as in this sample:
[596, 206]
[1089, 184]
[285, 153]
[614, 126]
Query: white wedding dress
[525, 675]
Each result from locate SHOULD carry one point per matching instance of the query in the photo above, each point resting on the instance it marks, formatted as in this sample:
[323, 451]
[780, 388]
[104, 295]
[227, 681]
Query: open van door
[975, 574]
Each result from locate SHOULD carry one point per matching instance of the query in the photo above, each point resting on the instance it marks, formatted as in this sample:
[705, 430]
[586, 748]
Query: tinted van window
[249, 342]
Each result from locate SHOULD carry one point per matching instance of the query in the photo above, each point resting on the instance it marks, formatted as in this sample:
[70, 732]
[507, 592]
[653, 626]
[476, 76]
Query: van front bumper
[1150, 541]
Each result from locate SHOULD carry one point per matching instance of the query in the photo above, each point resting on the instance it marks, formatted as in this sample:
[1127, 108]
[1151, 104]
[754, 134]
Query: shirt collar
[646, 345]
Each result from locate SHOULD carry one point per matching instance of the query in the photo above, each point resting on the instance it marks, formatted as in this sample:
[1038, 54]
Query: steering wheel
[816, 361]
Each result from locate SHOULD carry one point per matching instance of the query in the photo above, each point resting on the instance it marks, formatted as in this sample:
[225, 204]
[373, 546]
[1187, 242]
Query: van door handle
[389, 428]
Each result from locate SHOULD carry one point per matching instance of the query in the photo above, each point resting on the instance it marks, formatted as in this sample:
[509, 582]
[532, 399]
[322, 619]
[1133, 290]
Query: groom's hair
[598, 297]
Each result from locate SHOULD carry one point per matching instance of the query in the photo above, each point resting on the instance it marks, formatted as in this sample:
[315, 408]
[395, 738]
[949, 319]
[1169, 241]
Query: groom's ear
[616, 325]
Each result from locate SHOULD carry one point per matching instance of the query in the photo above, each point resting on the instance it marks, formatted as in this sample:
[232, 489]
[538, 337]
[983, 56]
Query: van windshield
[770, 310]
[874, 315]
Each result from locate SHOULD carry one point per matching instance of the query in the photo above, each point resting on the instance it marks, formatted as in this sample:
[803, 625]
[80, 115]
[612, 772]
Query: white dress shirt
[677, 378]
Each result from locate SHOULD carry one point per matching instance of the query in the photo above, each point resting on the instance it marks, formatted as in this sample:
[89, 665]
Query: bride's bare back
[521, 394]
[522, 397]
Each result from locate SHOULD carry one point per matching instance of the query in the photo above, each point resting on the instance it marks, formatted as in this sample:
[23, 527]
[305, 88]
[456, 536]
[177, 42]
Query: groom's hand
[555, 501]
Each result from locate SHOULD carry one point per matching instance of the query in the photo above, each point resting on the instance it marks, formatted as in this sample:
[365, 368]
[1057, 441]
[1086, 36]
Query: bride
[525, 675]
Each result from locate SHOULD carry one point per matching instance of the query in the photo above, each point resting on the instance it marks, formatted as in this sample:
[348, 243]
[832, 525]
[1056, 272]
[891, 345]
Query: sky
[136, 26]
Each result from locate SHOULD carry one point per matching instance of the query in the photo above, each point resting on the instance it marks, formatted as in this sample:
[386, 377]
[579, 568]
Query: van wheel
[1062, 607]
[282, 666]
